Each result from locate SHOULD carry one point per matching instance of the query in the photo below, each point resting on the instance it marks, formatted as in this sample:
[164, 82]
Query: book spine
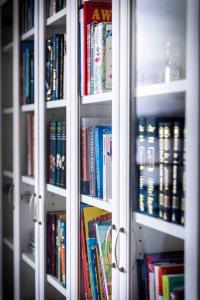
[63, 156]
[53, 237]
[58, 245]
[61, 66]
[32, 76]
[95, 267]
[59, 153]
[168, 162]
[84, 162]
[108, 56]
[161, 168]
[88, 57]
[54, 67]
[62, 251]
[57, 65]
[99, 274]
[50, 167]
[152, 166]
[82, 78]
[141, 149]
[65, 69]
[98, 161]
[92, 26]
[177, 171]
[54, 153]
[99, 58]
[48, 69]
[91, 161]
[183, 180]
[107, 167]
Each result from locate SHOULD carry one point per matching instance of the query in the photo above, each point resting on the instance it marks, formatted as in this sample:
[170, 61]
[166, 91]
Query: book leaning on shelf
[160, 144]
[57, 153]
[56, 67]
[96, 158]
[56, 245]
[27, 73]
[96, 250]
[95, 47]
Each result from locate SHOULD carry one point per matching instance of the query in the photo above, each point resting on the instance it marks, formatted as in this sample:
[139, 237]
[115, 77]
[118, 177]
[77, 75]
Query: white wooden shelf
[160, 225]
[58, 19]
[8, 174]
[28, 107]
[99, 98]
[29, 259]
[161, 88]
[56, 190]
[27, 35]
[56, 103]
[56, 284]
[8, 110]
[96, 202]
[7, 47]
[9, 243]
[28, 180]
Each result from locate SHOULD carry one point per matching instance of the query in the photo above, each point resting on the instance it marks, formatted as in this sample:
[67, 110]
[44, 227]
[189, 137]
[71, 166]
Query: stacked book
[27, 15]
[57, 153]
[161, 168]
[54, 6]
[95, 47]
[96, 158]
[56, 245]
[27, 73]
[96, 253]
[161, 276]
[55, 67]
[30, 144]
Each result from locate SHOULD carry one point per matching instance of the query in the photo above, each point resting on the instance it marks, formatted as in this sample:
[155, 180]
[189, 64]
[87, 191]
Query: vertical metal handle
[115, 264]
[35, 209]
[31, 199]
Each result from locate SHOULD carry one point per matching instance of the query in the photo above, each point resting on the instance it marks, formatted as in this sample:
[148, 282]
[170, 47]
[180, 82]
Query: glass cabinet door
[158, 135]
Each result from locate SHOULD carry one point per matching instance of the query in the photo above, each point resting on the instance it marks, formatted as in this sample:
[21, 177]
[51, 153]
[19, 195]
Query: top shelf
[178, 86]
[27, 35]
[57, 19]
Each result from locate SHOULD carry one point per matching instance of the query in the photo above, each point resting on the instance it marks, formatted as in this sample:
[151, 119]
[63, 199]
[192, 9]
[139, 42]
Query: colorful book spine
[92, 26]
[168, 161]
[49, 69]
[141, 153]
[98, 135]
[59, 153]
[152, 166]
[183, 179]
[107, 167]
[81, 25]
[85, 184]
[63, 156]
[91, 161]
[52, 152]
[108, 57]
[170, 283]
[88, 58]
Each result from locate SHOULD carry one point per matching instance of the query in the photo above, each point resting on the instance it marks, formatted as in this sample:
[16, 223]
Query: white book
[108, 57]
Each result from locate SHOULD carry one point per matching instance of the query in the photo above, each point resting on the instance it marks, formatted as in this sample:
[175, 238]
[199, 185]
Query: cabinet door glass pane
[158, 145]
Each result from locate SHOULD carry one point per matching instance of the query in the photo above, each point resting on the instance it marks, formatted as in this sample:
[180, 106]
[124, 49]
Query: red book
[93, 12]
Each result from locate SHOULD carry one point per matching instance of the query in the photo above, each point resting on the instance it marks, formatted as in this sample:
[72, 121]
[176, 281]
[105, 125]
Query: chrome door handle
[116, 264]
[35, 209]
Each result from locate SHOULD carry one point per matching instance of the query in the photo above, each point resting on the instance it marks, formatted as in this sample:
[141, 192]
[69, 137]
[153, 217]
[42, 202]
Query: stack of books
[30, 144]
[161, 276]
[56, 67]
[96, 253]
[95, 47]
[96, 158]
[27, 15]
[161, 168]
[57, 153]
[27, 73]
[54, 6]
[56, 245]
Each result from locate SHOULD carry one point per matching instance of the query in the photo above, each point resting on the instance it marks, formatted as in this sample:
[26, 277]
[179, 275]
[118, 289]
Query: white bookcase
[133, 233]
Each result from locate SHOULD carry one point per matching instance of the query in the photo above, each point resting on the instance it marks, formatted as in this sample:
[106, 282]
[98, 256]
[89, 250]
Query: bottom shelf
[161, 225]
[29, 259]
[9, 243]
[56, 284]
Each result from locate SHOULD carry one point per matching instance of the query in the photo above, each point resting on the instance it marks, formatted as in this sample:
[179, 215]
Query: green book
[171, 282]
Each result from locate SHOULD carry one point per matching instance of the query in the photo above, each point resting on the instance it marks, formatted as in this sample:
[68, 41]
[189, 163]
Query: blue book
[92, 244]
[27, 49]
[98, 137]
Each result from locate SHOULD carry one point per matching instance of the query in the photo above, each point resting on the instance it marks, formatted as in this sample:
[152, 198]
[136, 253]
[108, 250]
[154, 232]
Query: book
[107, 167]
[30, 144]
[26, 15]
[171, 282]
[92, 12]
[52, 152]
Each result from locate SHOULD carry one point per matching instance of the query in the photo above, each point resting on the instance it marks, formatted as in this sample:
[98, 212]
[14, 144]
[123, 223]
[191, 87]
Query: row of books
[27, 73]
[96, 158]
[55, 67]
[161, 166]
[95, 47]
[161, 276]
[96, 253]
[27, 15]
[54, 6]
[56, 245]
[57, 153]
[30, 134]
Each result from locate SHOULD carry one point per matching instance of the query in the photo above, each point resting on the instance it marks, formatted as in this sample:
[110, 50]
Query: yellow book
[171, 282]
